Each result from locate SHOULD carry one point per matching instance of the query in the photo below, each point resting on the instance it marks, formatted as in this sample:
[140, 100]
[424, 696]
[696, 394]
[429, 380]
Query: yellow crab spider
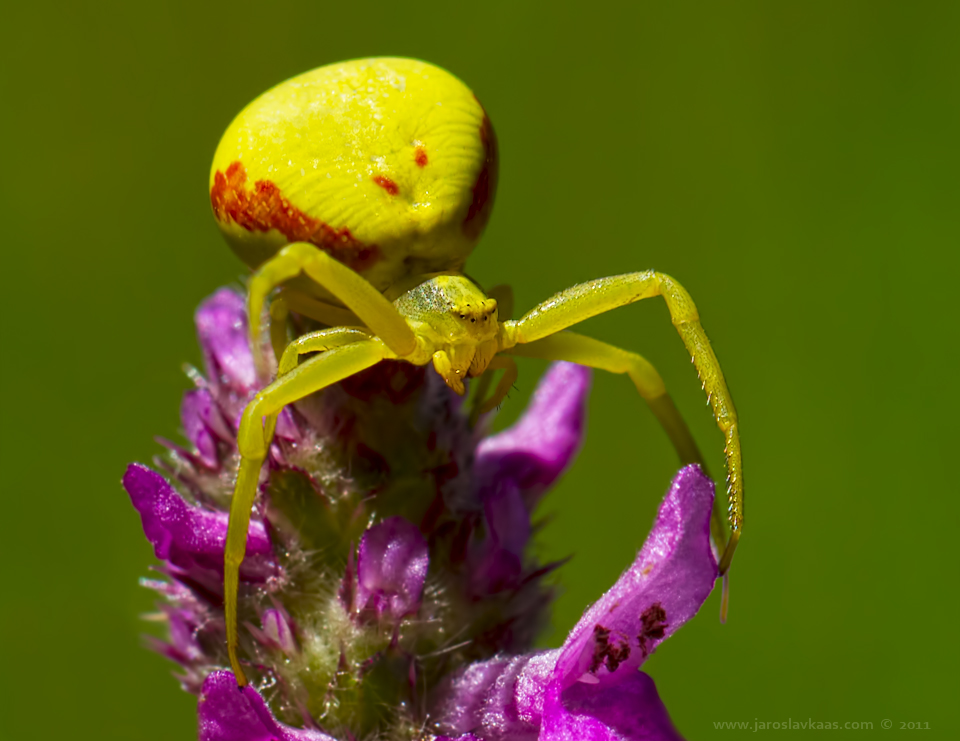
[361, 189]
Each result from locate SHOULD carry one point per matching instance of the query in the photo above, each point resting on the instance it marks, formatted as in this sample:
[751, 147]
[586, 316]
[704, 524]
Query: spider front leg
[253, 442]
[583, 301]
[360, 298]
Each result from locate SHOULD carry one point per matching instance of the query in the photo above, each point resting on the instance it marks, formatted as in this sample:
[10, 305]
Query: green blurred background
[795, 165]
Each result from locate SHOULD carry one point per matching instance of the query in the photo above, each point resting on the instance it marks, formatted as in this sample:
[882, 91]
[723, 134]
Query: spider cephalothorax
[456, 323]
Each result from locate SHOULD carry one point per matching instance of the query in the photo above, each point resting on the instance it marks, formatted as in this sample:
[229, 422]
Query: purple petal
[630, 710]
[222, 328]
[500, 699]
[391, 568]
[183, 627]
[504, 699]
[227, 713]
[276, 626]
[671, 577]
[200, 419]
[188, 536]
[539, 695]
[496, 563]
[536, 450]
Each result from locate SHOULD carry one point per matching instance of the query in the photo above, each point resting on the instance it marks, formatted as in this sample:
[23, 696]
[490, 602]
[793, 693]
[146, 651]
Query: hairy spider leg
[506, 382]
[585, 300]
[319, 341]
[312, 375]
[583, 350]
[361, 298]
[577, 348]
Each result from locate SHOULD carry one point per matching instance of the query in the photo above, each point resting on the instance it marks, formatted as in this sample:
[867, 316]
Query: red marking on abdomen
[420, 157]
[264, 207]
[387, 184]
[485, 185]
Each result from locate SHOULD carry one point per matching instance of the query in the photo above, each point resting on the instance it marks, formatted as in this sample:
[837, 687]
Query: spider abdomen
[389, 165]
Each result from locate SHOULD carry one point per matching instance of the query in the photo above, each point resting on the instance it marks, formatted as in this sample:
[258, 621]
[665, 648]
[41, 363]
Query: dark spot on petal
[606, 652]
[420, 157]
[387, 184]
[652, 624]
[263, 207]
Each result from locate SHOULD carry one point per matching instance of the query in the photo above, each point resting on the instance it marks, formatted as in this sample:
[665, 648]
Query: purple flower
[590, 689]
[190, 537]
[391, 570]
[388, 585]
[512, 469]
[229, 714]
[533, 453]
[276, 631]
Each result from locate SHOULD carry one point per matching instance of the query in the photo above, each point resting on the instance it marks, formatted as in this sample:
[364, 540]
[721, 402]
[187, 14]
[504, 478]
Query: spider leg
[319, 341]
[583, 301]
[312, 375]
[279, 336]
[332, 316]
[361, 298]
[576, 348]
[288, 300]
[503, 294]
[507, 380]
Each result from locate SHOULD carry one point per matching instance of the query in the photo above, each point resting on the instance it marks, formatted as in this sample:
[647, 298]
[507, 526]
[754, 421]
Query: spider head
[452, 312]
[478, 318]
[457, 321]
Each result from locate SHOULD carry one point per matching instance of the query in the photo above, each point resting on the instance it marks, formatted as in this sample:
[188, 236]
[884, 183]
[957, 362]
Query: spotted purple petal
[227, 713]
[539, 695]
[189, 536]
[664, 587]
[391, 569]
[504, 700]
